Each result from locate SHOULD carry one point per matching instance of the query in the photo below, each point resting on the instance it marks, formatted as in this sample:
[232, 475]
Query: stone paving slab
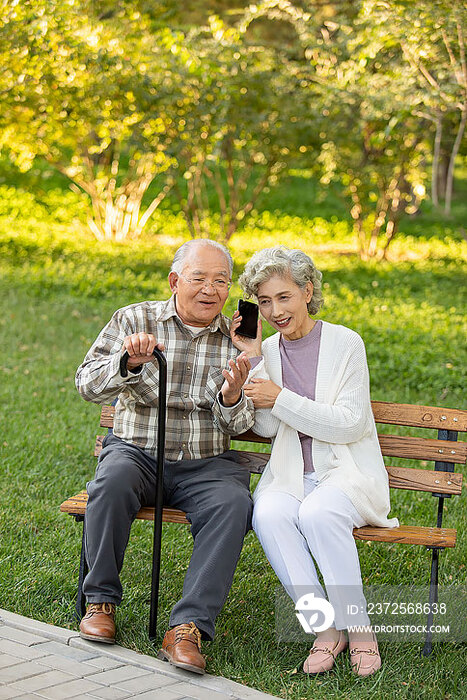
[20, 651]
[38, 660]
[51, 648]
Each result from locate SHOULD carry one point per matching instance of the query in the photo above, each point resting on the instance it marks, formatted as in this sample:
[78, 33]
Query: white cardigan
[345, 446]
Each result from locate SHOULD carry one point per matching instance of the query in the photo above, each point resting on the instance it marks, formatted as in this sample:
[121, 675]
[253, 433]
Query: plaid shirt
[197, 425]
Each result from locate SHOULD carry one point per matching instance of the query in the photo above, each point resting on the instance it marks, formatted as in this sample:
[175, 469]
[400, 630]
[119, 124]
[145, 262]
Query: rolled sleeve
[133, 377]
[235, 419]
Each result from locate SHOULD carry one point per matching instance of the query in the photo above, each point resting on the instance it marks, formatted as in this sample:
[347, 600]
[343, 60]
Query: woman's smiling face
[284, 306]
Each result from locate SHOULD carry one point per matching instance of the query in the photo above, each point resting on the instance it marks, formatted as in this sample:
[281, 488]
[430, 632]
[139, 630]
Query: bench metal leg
[452, 436]
[433, 598]
[80, 607]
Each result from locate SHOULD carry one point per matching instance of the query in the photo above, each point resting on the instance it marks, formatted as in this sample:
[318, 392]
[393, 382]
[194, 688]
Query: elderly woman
[326, 475]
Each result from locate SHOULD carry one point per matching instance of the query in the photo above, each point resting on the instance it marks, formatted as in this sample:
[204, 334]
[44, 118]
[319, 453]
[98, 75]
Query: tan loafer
[182, 648]
[98, 625]
[323, 654]
[365, 658]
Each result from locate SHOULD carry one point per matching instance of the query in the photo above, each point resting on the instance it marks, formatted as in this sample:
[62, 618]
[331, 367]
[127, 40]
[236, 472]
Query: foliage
[372, 116]
[371, 141]
[243, 119]
[435, 57]
[137, 101]
[83, 96]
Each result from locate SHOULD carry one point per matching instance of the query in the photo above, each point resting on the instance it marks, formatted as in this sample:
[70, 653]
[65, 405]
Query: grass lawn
[58, 287]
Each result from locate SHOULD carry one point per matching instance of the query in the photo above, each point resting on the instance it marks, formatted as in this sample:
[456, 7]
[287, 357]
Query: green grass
[57, 289]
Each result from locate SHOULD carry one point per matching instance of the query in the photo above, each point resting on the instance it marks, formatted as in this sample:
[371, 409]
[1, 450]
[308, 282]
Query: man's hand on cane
[139, 347]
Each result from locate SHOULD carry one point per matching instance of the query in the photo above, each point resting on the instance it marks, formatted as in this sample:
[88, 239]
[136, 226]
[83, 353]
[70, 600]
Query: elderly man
[205, 404]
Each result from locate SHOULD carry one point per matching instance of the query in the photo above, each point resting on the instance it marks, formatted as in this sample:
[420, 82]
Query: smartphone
[249, 323]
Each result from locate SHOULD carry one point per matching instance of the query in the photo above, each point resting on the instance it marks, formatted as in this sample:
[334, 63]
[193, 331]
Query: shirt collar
[169, 310]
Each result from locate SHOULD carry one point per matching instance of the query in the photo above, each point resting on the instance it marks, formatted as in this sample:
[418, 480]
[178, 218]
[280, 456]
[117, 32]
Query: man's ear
[173, 281]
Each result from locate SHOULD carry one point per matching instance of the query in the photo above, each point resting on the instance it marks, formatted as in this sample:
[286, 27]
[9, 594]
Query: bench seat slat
[429, 536]
[407, 534]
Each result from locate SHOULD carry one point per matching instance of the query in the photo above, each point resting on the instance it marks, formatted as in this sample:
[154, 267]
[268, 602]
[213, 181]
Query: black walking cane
[156, 552]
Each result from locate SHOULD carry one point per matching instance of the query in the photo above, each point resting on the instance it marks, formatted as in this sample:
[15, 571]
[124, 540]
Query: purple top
[299, 365]
[299, 360]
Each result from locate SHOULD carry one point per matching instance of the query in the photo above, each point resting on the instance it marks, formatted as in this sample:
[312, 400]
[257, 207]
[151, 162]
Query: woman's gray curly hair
[284, 262]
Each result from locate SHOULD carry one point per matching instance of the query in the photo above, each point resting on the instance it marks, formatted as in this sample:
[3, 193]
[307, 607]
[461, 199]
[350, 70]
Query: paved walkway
[42, 661]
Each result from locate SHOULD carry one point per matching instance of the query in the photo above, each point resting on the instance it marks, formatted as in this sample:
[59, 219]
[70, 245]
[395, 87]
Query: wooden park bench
[442, 482]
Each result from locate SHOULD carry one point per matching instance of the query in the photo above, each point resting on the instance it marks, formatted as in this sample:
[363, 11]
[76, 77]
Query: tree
[352, 79]
[114, 100]
[84, 96]
[378, 154]
[432, 39]
[372, 142]
[390, 76]
[243, 118]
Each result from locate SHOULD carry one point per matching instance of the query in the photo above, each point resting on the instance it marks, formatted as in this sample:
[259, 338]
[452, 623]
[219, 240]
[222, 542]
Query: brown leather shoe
[98, 624]
[182, 647]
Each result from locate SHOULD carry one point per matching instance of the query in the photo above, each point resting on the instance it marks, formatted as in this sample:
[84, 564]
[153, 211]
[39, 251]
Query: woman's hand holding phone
[251, 346]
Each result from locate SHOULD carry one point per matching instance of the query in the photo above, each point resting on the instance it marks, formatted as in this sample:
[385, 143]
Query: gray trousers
[214, 493]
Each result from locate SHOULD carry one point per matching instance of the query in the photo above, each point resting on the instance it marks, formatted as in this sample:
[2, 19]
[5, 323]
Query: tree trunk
[436, 161]
[382, 210]
[391, 230]
[443, 167]
[356, 214]
[243, 211]
[455, 151]
[115, 209]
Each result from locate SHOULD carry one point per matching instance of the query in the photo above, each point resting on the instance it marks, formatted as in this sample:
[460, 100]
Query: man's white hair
[184, 250]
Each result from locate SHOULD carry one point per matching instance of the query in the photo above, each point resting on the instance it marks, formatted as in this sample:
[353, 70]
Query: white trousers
[294, 533]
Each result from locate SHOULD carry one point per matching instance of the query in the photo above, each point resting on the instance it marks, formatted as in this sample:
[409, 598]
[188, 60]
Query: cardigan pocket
[324, 458]
[349, 471]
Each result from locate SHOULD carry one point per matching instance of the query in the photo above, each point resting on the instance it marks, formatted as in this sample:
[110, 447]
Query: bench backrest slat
[406, 478]
[384, 412]
[107, 416]
[425, 480]
[410, 447]
[419, 416]
[400, 446]
[407, 447]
